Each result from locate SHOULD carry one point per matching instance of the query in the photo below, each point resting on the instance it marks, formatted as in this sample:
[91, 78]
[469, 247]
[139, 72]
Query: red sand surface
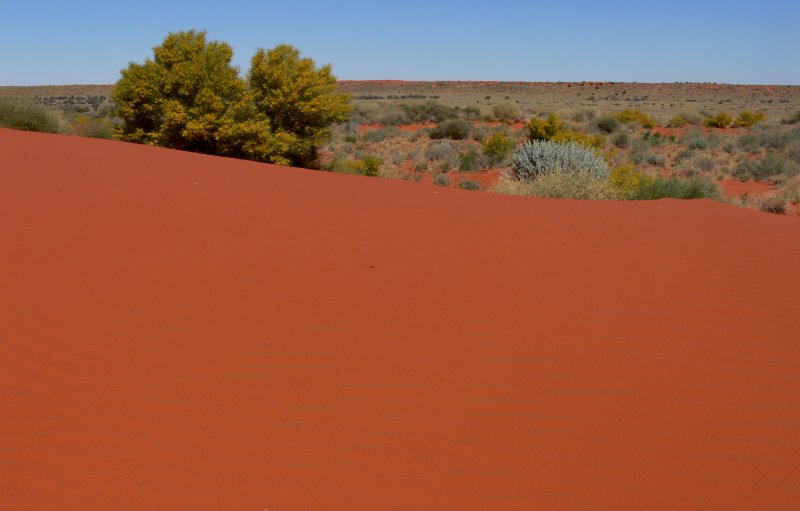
[735, 188]
[185, 332]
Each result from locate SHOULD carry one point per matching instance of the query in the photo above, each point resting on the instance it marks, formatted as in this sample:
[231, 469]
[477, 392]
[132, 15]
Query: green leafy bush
[497, 148]
[370, 166]
[454, 129]
[540, 157]
[675, 188]
[471, 160]
[608, 124]
[28, 114]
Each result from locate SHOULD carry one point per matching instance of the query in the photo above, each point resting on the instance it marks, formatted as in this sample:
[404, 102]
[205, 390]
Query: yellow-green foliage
[554, 129]
[747, 119]
[300, 100]
[190, 97]
[497, 148]
[370, 165]
[677, 122]
[586, 140]
[539, 129]
[721, 120]
[626, 179]
[636, 116]
[560, 185]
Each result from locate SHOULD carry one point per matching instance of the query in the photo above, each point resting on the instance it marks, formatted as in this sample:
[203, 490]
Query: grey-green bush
[539, 157]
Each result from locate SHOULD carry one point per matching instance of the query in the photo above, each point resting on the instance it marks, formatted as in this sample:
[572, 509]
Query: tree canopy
[189, 96]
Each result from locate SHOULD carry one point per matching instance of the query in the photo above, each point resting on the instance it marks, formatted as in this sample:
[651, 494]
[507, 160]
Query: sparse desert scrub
[774, 203]
[559, 185]
[28, 114]
[454, 129]
[771, 165]
[675, 188]
[506, 111]
[472, 160]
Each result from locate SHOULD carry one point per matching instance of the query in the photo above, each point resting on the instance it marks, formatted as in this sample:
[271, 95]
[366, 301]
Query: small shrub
[539, 157]
[561, 186]
[771, 165]
[677, 122]
[454, 129]
[379, 135]
[506, 112]
[696, 139]
[721, 120]
[343, 166]
[748, 119]
[470, 161]
[661, 188]
[429, 111]
[620, 139]
[627, 180]
[794, 118]
[29, 115]
[442, 150]
[540, 129]
[608, 124]
[771, 203]
[636, 116]
[370, 166]
[469, 185]
[441, 179]
[497, 148]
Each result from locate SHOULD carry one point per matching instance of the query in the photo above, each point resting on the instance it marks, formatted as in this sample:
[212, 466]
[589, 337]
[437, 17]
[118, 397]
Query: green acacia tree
[300, 100]
[189, 96]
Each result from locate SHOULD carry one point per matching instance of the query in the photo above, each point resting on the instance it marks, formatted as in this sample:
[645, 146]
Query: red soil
[734, 188]
[187, 332]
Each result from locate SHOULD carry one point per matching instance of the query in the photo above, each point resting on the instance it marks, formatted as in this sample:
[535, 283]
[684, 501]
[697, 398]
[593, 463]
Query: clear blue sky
[757, 41]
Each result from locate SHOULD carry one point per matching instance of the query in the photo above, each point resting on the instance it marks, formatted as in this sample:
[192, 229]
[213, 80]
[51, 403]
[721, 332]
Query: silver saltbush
[541, 157]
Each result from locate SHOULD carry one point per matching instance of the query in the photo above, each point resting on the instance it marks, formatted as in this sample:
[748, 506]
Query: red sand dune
[186, 332]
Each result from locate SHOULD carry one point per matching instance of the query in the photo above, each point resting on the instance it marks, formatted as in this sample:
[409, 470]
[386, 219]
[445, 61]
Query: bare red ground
[185, 332]
[735, 188]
